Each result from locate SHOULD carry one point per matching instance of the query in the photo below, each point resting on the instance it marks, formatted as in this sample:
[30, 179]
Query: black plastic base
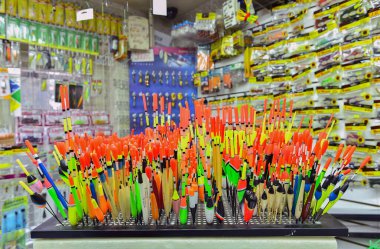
[328, 226]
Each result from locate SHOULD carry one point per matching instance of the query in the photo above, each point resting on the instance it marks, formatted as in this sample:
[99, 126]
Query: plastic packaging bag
[356, 31]
[330, 76]
[357, 71]
[329, 56]
[357, 50]
[352, 10]
[260, 86]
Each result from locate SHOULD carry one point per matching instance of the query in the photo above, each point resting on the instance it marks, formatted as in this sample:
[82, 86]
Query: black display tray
[328, 226]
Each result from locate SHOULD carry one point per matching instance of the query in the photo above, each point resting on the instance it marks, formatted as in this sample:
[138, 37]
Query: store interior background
[112, 100]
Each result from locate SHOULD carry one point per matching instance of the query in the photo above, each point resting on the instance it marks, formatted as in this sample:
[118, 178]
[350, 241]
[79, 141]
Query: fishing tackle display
[235, 160]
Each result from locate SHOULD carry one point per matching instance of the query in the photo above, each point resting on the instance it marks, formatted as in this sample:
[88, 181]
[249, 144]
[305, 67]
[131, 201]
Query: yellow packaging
[107, 24]
[99, 23]
[22, 8]
[77, 25]
[113, 26]
[40, 11]
[70, 15]
[91, 25]
[2, 6]
[11, 7]
[32, 9]
[59, 14]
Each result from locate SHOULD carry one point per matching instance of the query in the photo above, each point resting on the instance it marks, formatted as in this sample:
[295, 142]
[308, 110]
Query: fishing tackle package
[31, 133]
[261, 86]
[328, 35]
[330, 76]
[359, 50]
[352, 10]
[325, 15]
[302, 62]
[298, 45]
[302, 80]
[329, 56]
[277, 50]
[357, 71]
[277, 68]
[358, 30]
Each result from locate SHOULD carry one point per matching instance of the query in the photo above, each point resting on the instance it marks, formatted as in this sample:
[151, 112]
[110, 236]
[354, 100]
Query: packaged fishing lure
[258, 55]
[299, 45]
[359, 50]
[376, 45]
[357, 99]
[70, 16]
[30, 117]
[100, 118]
[329, 56]
[260, 70]
[80, 118]
[227, 79]
[325, 15]
[298, 23]
[282, 84]
[302, 80]
[376, 67]
[279, 68]
[330, 76]
[43, 34]
[329, 35]
[14, 221]
[236, 72]
[277, 50]
[261, 86]
[303, 100]
[55, 134]
[32, 133]
[203, 59]
[22, 9]
[13, 28]
[352, 10]
[302, 62]
[374, 14]
[53, 118]
[204, 82]
[205, 25]
[278, 32]
[24, 31]
[357, 71]
[259, 37]
[227, 46]
[358, 30]
[11, 7]
[285, 12]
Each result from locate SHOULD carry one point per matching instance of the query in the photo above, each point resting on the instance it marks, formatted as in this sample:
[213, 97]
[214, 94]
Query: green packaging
[70, 39]
[62, 41]
[43, 35]
[13, 28]
[95, 44]
[78, 41]
[24, 30]
[33, 30]
[2, 26]
[85, 43]
[54, 37]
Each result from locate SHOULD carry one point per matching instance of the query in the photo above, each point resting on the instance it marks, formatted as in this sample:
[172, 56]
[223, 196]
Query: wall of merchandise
[41, 49]
[324, 55]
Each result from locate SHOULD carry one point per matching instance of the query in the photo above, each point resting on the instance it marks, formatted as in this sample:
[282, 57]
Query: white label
[86, 14]
[142, 56]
